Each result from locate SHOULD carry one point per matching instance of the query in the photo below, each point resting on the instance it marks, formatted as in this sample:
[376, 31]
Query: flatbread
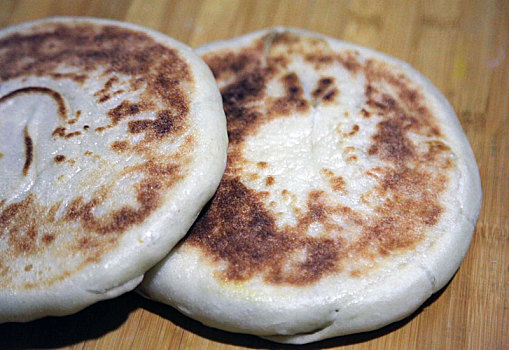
[112, 138]
[350, 193]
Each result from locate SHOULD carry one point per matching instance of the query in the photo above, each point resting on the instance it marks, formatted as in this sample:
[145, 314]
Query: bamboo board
[462, 46]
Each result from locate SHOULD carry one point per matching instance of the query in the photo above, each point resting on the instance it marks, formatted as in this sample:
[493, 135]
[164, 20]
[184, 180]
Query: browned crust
[28, 150]
[249, 240]
[337, 183]
[293, 100]
[59, 158]
[78, 51]
[239, 228]
[62, 111]
[325, 90]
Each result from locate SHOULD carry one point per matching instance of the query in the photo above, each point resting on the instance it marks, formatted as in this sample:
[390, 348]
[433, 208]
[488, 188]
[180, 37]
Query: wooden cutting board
[462, 46]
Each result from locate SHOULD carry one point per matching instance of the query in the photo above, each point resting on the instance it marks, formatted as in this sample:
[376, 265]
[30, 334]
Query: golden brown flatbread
[112, 138]
[350, 193]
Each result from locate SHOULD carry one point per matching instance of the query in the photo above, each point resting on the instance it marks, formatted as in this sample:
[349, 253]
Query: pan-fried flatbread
[350, 194]
[112, 138]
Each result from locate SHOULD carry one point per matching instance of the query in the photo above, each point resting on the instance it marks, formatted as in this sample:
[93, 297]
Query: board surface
[461, 46]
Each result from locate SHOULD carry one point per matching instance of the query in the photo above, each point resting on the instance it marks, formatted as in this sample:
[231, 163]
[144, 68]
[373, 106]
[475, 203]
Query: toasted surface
[349, 197]
[106, 130]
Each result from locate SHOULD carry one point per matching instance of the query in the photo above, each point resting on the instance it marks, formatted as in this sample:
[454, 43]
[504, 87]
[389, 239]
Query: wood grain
[461, 45]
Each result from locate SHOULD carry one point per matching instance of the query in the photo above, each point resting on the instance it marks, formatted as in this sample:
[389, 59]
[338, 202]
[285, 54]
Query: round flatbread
[350, 193]
[112, 138]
